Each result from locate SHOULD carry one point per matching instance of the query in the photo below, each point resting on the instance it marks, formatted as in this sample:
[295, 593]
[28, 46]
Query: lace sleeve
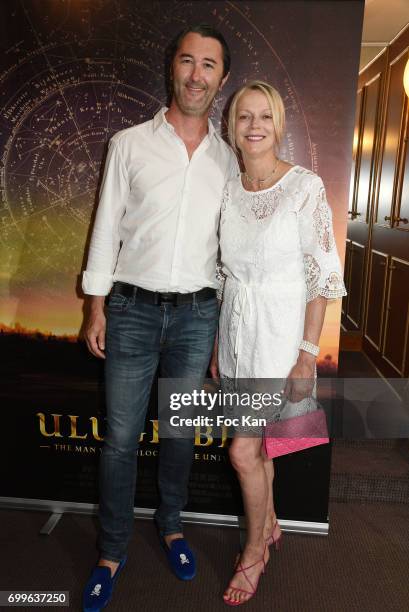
[323, 272]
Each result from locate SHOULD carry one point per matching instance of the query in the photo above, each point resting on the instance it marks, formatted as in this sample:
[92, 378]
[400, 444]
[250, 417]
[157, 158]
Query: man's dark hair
[207, 31]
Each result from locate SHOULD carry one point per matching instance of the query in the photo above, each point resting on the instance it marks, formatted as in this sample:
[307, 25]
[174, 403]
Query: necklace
[263, 180]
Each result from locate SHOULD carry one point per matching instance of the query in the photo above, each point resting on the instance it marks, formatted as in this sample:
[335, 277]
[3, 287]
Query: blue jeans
[139, 338]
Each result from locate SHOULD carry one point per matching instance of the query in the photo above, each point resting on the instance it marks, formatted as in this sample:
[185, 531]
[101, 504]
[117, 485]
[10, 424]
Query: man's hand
[95, 326]
[214, 362]
[301, 379]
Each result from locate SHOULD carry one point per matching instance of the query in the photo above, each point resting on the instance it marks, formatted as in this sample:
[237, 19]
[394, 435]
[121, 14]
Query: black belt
[157, 298]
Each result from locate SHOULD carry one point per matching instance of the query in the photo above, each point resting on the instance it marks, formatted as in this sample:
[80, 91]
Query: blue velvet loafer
[181, 559]
[99, 588]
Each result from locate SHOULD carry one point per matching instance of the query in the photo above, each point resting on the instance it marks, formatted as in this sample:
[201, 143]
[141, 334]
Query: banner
[71, 76]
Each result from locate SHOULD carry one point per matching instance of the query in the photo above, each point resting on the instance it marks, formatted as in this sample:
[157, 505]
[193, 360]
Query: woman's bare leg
[271, 517]
[246, 457]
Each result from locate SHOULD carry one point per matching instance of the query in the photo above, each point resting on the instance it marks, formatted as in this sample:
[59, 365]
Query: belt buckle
[168, 298]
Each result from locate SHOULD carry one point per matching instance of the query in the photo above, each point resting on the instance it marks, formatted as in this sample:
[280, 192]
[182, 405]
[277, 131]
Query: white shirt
[158, 215]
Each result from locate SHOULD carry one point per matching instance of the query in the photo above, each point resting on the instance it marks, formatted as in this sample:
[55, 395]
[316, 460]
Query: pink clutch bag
[295, 434]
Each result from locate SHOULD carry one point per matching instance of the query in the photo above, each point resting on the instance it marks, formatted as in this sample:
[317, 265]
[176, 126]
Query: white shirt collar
[160, 119]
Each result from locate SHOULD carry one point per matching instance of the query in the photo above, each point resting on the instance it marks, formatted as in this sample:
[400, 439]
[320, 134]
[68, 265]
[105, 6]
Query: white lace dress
[277, 253]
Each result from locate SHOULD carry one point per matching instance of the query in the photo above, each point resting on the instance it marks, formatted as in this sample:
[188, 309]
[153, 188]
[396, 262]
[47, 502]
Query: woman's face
[254, 124]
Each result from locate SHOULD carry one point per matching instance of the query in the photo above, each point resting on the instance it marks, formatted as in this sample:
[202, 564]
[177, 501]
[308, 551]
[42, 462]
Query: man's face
[197, 72]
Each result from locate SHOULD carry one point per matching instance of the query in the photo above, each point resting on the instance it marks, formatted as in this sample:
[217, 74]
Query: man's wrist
[96, 303]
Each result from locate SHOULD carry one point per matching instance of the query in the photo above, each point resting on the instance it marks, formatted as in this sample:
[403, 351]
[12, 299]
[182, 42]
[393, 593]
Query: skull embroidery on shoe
[183, 559]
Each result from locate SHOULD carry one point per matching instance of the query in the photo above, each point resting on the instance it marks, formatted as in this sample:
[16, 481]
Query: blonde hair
[275, 103]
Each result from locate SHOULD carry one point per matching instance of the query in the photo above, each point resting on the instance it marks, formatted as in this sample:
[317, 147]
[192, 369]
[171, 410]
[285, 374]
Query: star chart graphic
[73, 74]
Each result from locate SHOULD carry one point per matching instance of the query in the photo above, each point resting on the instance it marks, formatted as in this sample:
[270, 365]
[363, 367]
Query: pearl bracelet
[308, 347]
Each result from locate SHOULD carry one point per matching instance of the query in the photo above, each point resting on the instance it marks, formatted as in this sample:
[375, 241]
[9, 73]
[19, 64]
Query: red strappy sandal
[240, 568]
[275, 537]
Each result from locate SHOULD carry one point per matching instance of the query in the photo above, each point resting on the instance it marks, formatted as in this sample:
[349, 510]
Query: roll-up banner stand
[72, 74]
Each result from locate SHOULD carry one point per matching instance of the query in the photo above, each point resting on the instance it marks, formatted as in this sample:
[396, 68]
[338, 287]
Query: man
[154, 248]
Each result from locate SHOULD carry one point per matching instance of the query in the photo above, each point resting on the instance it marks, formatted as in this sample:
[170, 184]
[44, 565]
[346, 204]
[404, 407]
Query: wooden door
[378, 267]
[402, 210]
[396, 323]
[392, 140]
[366, 148]
[356, 289]
[347, 276]
[386, 321]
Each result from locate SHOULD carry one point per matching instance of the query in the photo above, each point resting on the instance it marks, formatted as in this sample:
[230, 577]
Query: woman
[280, 265]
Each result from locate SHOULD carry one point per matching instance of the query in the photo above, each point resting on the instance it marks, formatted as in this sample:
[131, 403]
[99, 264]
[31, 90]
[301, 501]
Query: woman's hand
[214, 362]
[301, 379]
